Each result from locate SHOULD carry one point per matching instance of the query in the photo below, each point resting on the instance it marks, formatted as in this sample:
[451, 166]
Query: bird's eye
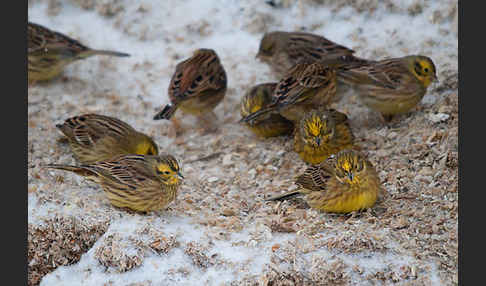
[162, 172]
[426, 70]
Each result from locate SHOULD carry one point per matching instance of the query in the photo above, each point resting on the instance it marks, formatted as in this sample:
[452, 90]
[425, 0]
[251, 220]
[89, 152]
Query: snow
[159, 34]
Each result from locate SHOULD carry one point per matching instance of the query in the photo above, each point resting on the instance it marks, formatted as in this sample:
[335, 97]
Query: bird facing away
[255, 99]
[94, 137]
[138, 182]
[392, 86]
[344, 183]
[305, 87]
[283, 50]
[49, 52]
[197, 87]
[322, 133]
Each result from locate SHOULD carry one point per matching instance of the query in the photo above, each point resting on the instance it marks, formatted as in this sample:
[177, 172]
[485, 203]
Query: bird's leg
[209, 121]
[177, 127]
[386, 118]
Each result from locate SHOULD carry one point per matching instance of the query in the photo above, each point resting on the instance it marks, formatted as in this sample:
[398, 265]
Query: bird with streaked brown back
[197, 87]
[140, 183]
[49, 52]
[94, 137]
[392, 86]
[283, 50]
[345, 182]
[304, 88]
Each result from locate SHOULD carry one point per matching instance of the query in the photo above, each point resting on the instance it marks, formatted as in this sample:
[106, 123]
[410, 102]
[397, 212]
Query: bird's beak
[435, 79]
[180, 175]
[350, 176]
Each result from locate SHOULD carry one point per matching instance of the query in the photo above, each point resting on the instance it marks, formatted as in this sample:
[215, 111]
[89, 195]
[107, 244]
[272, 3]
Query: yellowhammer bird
[283, 50]
[49, 52]
[197, 87]
[392, 86]
[322, 133]
[306, 87]
[94, 137]
[255, 99]
[137, 182]
[346, 182]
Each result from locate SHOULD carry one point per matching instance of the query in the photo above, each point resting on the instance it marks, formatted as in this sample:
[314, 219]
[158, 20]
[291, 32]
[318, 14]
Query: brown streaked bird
[305, 87]
[259, 97]
[138, 182]
[392, 86]
[283, 50]
[345, 182]
[49, 52]
[95, 137]
[322, 133]
[197, 87]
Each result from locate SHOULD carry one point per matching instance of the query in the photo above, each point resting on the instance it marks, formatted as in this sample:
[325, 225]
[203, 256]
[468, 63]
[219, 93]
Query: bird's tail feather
[90, 53]
[78, 170]
[255, 115]
[166, 113]
[284, 196]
